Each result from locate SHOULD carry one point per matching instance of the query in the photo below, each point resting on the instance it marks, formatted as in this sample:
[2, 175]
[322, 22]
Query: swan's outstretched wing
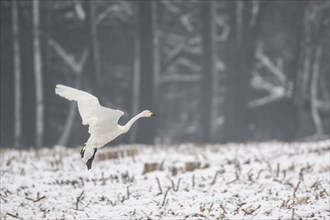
[107, 120]
[99, 118]
[87, 103]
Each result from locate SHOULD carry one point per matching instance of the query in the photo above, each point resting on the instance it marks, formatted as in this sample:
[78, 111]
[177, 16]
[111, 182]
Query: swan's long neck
[129, 124]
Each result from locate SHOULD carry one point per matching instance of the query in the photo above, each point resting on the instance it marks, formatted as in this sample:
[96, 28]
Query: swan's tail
[88, 154]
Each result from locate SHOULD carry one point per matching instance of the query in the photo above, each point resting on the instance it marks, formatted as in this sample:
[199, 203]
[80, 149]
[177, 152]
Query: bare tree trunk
[207, 79]
[147, 130]
[156, 56]
[38, 74]
[94, 42]
[17, 76]
[289, 131]
[136, 81]
[314, 86]
[239, 64]
[239, 20]
[156, 50]
[214, 73]
[305, 75]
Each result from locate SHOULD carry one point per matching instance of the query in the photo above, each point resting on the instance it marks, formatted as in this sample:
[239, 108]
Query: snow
[233, 181]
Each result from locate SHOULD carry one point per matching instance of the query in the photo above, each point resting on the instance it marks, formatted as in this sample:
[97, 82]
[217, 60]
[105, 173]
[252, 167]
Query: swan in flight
[102, 121]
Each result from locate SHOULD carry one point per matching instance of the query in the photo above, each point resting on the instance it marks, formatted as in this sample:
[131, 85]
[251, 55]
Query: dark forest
[212, 71]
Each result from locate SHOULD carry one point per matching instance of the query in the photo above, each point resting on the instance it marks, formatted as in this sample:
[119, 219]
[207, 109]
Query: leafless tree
[314, 93]
[147, 129]
[17, 76]
[245, 26]
[38, 74]
[136, 79]
[95, 48]
[209, 76]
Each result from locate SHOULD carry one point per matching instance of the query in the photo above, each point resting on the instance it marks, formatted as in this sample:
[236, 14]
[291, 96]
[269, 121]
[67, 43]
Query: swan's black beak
[152, 114]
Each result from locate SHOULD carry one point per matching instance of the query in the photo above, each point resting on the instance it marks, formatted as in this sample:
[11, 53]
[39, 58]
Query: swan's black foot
[82, 153]
[90, 160]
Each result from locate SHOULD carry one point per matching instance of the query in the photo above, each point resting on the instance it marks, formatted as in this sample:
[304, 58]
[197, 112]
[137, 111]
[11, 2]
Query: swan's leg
[90, 160]
[82, 152]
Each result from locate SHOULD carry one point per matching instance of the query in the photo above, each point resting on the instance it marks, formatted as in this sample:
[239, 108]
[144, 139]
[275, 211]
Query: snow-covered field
[252, 181]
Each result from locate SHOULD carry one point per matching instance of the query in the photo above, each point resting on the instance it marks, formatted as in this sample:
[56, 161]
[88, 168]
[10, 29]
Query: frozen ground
[252, 181]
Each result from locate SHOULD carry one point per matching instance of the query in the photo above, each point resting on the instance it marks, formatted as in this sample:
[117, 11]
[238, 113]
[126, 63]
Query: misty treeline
[212, 71]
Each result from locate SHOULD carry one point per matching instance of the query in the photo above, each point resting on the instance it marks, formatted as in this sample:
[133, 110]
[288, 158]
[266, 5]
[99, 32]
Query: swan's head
[147, 113]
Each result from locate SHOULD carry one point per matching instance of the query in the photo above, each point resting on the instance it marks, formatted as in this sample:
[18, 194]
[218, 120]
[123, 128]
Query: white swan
[102, 121]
